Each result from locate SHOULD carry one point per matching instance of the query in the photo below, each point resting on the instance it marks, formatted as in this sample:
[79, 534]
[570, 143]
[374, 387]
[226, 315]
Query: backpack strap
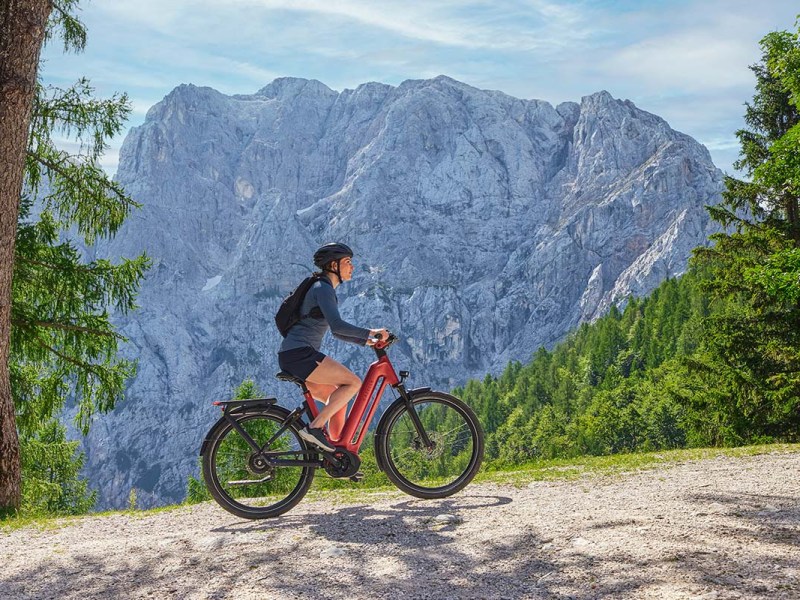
[316, 311]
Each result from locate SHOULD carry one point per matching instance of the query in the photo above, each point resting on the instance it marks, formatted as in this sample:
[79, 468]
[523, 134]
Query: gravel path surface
[715, 528]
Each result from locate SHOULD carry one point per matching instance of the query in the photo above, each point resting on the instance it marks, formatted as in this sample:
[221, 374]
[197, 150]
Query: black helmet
[330, 252]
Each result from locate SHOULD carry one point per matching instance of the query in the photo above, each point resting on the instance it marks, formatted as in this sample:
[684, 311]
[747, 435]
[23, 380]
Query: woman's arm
[348, 338]
[328, 304]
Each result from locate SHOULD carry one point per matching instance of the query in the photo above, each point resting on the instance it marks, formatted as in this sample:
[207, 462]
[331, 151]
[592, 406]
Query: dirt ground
[715, 528]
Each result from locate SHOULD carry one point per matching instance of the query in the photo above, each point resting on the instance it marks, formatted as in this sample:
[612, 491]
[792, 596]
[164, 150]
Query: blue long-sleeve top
[309, 331]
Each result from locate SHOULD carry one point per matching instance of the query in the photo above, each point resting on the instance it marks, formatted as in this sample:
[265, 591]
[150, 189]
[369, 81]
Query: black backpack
[289, 312]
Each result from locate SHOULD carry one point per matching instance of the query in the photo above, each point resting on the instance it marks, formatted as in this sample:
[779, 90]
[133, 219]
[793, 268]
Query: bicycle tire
[227, 456]
[421, 472]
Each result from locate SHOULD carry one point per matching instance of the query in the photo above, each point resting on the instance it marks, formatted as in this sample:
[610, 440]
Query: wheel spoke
[246, 482]
[452, 459]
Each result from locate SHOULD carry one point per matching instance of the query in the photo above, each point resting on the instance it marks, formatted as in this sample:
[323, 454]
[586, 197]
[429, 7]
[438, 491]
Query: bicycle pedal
[357, 477]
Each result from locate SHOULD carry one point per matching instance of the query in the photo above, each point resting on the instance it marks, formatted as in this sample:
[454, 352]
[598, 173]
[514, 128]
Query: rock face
[485, 226]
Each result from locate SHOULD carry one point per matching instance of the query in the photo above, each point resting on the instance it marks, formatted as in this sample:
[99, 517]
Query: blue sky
[685, 60]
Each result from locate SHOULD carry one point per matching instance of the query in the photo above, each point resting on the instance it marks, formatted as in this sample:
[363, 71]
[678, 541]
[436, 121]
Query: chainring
[349, 462]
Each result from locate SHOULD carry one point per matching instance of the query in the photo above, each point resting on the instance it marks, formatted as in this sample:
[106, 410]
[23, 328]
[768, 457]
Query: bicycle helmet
[331, 252]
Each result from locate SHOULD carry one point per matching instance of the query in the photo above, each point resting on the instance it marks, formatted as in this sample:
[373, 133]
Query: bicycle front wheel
[452, 459]
[247, 481]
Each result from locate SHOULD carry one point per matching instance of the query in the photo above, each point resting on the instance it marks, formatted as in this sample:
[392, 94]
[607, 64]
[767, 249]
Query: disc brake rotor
[436, 448]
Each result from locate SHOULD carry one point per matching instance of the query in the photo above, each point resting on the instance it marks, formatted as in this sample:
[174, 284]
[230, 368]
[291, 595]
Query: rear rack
[246, 403]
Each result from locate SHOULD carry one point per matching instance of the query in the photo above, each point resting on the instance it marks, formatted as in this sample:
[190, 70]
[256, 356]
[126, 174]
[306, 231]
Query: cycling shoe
[316, 437]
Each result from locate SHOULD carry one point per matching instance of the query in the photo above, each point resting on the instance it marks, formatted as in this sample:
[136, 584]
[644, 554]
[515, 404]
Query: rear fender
[256, 406]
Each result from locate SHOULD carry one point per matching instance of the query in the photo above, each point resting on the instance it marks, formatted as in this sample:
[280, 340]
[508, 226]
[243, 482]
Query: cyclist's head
[328, 256]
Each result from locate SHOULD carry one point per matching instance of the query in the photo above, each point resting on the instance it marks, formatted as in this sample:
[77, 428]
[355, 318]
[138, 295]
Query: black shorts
[300, 362]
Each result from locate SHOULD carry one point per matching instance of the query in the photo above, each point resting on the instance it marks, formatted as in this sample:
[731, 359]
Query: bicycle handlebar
[382, 344]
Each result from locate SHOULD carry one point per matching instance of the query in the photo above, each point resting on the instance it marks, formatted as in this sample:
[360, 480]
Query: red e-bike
[256, 466]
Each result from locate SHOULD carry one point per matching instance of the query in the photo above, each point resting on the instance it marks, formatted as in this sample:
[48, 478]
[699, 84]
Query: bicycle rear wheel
[454, 457]
[244, 481]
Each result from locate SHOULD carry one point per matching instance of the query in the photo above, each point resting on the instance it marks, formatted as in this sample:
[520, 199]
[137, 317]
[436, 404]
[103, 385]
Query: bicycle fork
[426, 441]
[406, 398]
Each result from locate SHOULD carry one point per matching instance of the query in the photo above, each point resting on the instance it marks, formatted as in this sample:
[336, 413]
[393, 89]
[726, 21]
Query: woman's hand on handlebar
[377, 335]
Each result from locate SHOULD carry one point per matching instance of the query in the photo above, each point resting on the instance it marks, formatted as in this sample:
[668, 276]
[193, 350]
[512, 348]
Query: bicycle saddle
[284, 376]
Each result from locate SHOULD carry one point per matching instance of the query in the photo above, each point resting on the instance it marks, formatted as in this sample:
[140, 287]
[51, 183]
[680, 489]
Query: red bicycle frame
[380, 374]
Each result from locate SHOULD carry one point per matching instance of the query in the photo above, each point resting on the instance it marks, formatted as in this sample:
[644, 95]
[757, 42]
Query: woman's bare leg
[336, 424]
[322, 392]
[347, 385]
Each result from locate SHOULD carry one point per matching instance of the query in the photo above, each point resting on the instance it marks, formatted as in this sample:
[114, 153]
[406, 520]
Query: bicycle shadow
[402, 549]
[404, 520]
[409, 547]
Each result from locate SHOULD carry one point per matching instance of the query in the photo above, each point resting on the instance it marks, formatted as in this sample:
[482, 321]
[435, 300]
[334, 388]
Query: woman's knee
[349, 379]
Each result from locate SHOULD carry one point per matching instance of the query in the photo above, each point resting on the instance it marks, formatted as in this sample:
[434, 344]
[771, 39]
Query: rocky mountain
[484, 227]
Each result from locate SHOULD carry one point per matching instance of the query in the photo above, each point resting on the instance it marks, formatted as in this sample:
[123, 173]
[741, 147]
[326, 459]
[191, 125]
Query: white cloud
[508, 25]
[679, 62]
[140, 106]
[154, 15]
[688, 60]
[109, 160]
[723, 144]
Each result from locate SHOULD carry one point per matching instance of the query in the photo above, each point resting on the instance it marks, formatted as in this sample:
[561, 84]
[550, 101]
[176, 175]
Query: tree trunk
[22, 30]
[793, 216]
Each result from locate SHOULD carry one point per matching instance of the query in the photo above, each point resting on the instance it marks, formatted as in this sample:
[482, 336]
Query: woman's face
[346, 269]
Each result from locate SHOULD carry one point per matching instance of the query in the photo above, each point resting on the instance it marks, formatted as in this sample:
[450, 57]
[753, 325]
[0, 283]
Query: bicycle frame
[380, 374]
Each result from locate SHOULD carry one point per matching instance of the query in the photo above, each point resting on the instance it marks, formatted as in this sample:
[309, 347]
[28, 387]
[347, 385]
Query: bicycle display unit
[255, 465]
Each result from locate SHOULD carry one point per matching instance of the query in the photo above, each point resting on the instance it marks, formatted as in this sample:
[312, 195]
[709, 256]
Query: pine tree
[50, 467]
[62, 344]
[753, 275]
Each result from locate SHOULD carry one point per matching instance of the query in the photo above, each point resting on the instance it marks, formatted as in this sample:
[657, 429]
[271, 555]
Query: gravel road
[716, 528]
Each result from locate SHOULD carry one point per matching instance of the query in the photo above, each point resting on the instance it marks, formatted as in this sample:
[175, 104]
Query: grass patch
[353, 494]
[615, 464]
[37, 522]
[41, 522]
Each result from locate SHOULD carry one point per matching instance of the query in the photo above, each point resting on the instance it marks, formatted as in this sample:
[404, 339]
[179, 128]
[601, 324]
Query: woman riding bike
[328, 381]
[259, 458]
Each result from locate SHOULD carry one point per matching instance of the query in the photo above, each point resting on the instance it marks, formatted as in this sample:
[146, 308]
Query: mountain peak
[287, 87]
[599, 99]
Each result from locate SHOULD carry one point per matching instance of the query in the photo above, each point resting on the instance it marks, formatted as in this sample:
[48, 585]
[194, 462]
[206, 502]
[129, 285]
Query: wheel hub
[435, 450]
[258, 465]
